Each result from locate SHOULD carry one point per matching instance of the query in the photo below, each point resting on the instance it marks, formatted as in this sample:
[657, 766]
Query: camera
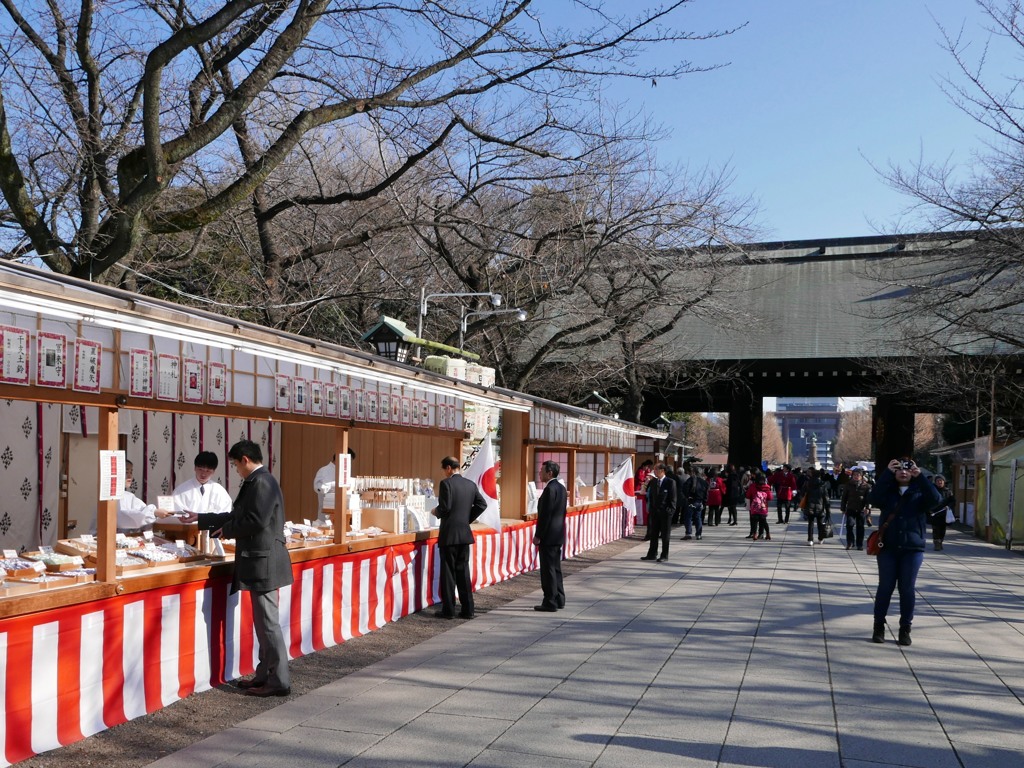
[906, 464]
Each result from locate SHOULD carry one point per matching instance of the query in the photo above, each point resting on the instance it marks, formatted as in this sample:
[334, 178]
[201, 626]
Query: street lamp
[424, 298]
[464, 321]
[390, 337]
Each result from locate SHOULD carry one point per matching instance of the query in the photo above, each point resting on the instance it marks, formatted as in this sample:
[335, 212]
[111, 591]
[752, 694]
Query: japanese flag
[484, 472]
[621, 485]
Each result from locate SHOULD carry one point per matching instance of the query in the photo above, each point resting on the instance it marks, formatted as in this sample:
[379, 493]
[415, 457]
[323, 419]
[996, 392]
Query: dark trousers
[715, 515]
[897, 568]
[761, 523]
[855, 530]
[272, 669]
[551, 576]
[939, 526]
[783, 504]
[660, 529]
[693, 517]
[732, 513]
[455, 575]
[815, 516]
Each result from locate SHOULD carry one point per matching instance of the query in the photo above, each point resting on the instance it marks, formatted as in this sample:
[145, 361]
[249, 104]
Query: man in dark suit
[262, 564]
[459, 502]
[550, 537]
[661, 500]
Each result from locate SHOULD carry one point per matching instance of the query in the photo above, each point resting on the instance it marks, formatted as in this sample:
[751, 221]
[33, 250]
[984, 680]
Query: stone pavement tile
[866, 721]
[658, 752]
[212, 751]
[910, 698]
[308, 747]
[763, 670]
[987, 756]
[552, 665]
[701, 667]
[799, 705]
[954, 680]
[551, 728]
[432, 741]
[704, 719]
[1010, 673]
[502, 758]
[354, 684]
[615, 691]
[779, 744]
[618, 666]
[382, 710]
[987, 736]
[293, 712]
[895, 742]
[512, 695]
[446, 672]
[478, 701]
[852, 709]
[959, 712]
[867, 678]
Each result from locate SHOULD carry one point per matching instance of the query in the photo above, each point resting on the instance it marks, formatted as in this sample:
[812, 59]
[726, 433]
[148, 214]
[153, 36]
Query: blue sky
[815, 92]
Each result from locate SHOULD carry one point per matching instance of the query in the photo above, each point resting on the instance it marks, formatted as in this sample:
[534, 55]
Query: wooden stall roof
[587, 417]
[32, 290]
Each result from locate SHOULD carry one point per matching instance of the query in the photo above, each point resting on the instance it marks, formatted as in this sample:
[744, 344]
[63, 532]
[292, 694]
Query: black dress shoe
[647, 558]
[467, 615]
[264, 692]
[443, 615]
[247, 684]
[561, 605]
[545, 608]
[662, 559]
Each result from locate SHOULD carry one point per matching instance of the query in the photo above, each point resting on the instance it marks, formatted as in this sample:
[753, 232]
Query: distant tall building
[805, 419]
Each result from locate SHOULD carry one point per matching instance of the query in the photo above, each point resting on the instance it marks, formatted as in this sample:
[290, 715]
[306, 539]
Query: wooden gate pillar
[745, 429]
[892, 431]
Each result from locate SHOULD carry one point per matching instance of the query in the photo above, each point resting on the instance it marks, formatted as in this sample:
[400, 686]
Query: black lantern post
[392, 339]
[595, 402]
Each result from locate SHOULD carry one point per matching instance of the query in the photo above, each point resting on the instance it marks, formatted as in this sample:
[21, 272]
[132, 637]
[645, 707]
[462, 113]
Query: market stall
[92, 377]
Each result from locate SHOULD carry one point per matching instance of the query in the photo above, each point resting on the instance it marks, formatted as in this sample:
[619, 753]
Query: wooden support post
[514, 475]
[570, 478]
[106, 511]
[340, 494]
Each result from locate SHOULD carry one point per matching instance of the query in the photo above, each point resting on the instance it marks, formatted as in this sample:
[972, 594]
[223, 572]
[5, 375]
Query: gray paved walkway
[732, 654]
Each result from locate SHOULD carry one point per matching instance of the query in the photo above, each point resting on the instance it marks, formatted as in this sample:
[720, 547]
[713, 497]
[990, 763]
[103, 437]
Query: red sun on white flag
[621, 485]
[484, 472]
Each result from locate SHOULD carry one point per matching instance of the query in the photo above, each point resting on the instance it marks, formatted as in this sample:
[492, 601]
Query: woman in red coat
[716, 497]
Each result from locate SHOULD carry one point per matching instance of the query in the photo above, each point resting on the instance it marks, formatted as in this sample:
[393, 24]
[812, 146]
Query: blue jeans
[897, 568]
[692, 518]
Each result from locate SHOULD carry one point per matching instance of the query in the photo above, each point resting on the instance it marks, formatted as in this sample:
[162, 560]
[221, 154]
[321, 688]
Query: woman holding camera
[904, 497]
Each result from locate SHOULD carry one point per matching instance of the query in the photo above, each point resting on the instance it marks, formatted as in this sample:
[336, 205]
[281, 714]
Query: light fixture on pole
[464, 321]
[425, 298]
[392, 339]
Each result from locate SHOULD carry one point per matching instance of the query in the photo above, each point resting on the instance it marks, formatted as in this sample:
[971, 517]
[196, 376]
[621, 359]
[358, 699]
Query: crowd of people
[907, 500]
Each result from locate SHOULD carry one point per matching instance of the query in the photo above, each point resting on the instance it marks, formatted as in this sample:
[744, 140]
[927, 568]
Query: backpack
[759, 504]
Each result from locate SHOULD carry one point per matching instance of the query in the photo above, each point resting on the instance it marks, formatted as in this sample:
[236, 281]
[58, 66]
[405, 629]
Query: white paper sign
[112, 467]
[344, 470]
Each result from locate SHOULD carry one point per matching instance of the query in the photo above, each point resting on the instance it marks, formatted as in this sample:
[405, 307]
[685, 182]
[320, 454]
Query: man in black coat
[459, 502]
[661, 501]
[550, 537]
[262, 564]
